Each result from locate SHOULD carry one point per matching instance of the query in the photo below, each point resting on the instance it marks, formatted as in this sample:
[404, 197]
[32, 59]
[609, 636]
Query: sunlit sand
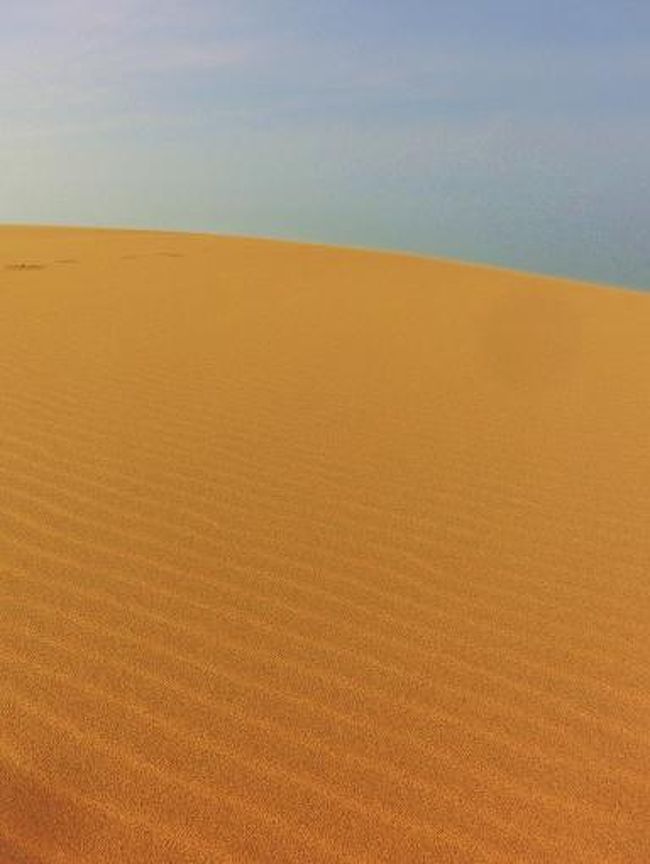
[318, 555]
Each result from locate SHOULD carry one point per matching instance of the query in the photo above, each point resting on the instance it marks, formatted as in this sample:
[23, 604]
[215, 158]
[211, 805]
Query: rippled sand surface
[318, 555]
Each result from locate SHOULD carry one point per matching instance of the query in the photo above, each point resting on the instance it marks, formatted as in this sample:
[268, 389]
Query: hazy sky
[515, 132]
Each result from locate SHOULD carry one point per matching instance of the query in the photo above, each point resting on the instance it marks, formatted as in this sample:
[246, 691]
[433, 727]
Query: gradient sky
[515, 132]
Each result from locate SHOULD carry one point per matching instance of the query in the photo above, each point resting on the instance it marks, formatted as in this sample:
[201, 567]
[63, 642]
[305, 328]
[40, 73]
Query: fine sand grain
[318, 555]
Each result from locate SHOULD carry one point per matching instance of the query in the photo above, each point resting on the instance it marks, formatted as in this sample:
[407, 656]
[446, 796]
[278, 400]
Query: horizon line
[293, 241]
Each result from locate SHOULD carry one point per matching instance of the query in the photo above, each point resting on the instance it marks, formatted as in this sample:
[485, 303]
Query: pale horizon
[513, 135]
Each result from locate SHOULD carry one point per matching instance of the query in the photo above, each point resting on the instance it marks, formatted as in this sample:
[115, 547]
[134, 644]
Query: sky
[510, 132]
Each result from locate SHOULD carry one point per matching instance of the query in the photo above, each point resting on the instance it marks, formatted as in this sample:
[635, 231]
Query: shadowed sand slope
[315, 555]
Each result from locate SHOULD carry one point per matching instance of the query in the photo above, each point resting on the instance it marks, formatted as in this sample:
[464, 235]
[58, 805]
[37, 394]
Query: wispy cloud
[73, 64]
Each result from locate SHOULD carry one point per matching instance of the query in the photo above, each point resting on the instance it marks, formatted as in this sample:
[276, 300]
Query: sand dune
[317, 555]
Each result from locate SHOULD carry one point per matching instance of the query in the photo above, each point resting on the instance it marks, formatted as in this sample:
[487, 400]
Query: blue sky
[515, 133]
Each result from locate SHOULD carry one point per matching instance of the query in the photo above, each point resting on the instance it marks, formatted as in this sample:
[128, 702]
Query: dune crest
[318, 555]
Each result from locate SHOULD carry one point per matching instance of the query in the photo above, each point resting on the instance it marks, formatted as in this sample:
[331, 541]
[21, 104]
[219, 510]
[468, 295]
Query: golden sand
[318, 555]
